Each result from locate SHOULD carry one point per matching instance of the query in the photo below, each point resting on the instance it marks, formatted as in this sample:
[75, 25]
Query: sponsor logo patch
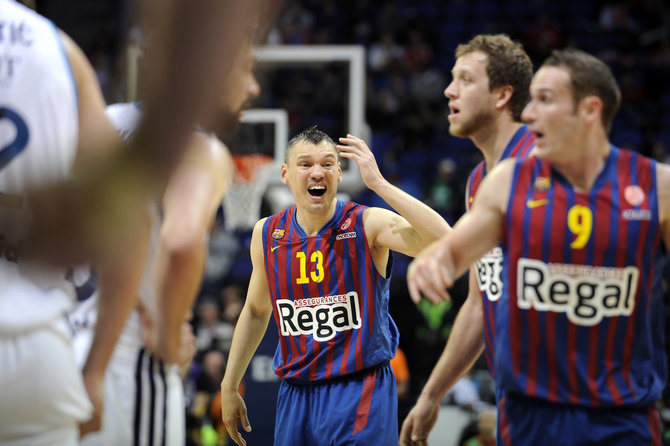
[488, 271]
[584, 293]
[322, 317]
[345, 235]
[636, 214]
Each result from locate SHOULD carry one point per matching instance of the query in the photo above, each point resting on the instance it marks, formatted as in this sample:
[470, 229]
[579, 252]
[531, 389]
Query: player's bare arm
[249, 331]
[417, 225]
[190, 201]
[120, 271]
[464, 346]
[435, 270]
[663, 179]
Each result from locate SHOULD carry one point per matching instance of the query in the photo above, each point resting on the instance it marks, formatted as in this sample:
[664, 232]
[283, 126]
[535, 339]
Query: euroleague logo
[345, 225]
[634, 195]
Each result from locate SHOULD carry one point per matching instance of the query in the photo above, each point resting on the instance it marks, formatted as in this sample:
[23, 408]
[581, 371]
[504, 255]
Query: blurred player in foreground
[52, 120]
[144, 392]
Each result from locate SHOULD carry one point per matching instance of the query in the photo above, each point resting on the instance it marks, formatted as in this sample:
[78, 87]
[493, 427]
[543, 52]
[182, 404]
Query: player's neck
[583, 170]
[493, 141]
[312, 221]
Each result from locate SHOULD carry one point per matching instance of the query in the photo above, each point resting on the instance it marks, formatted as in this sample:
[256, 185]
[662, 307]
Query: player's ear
[591, 108]
[339, 172]
[504, 94]
[284, 173]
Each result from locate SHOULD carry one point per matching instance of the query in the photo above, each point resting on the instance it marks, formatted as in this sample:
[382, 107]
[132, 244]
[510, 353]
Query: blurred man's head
[589, 76]
[573, 96]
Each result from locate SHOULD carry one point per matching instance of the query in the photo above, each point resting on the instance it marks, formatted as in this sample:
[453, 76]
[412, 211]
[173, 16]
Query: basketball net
[242, 204]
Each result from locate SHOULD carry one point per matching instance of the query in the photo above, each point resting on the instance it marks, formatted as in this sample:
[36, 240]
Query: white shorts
[42, 393]
[144, 402]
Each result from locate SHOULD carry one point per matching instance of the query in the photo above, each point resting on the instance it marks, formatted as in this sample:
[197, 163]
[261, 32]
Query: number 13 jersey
[330, 303]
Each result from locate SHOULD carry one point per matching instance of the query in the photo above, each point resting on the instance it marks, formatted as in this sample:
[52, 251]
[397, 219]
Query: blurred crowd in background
[409, 49]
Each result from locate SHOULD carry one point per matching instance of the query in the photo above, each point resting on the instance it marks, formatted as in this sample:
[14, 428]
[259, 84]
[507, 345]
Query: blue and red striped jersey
[488, 269]
[329, 301]
[581, 317]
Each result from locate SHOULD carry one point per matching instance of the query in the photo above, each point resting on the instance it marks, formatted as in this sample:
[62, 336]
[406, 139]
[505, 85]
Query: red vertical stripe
[353, 255]
[489, 333]
[297, 360]
[624, 178]
[654, 421]
[333, 258]
[514, 246]
[313, 290]
[504, 422]
[363, 411]
[558, 230]
[537, 219]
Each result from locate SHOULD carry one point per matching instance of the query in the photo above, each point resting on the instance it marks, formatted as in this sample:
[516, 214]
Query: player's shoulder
[11, 9]
[208, 150]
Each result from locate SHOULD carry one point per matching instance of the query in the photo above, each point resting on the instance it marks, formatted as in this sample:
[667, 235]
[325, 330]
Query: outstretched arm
[464, 346]
[417, 225]
[120, 270]
[249, 331]
[436, 268]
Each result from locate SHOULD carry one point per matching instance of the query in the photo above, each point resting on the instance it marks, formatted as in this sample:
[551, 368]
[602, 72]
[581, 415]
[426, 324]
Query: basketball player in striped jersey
[488, 92]
[51, 121]
[579, 347]
[144, 399]
[322, 267]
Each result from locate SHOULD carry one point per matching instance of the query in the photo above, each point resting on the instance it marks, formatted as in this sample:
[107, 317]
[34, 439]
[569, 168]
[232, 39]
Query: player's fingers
[414, 292]
[419, 434]
[234, 434]
[245, 422]
[405, 432]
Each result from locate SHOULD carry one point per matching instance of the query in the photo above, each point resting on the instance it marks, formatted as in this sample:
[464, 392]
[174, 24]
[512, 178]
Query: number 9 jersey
[581, 320]
[38, 142]
[329, 301]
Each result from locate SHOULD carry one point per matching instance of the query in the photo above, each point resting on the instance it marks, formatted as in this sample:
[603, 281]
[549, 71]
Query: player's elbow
[183, 248]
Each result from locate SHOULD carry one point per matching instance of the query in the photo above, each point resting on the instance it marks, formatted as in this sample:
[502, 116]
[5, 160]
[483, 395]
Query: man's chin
[227, 131]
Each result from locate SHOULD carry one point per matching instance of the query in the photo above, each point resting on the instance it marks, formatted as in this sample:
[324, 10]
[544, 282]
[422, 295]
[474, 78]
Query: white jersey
[38, 140]
[144, 399]
[125, 118]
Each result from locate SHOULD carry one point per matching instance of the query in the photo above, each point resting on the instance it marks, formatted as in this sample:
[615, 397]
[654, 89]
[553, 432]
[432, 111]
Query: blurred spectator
[233, 300]
[485, 430]
[401, 372]
[442, 196]
[385, 53]
[543, 36]
[211, 332]
[223, 247]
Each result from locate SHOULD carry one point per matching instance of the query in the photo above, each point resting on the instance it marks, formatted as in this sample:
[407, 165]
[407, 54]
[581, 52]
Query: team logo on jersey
[346, 224]
[321, 317]
[488, 271]
[345, 235]
[634, 195]
[584, 293]
[278, 233]
[542, 184]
